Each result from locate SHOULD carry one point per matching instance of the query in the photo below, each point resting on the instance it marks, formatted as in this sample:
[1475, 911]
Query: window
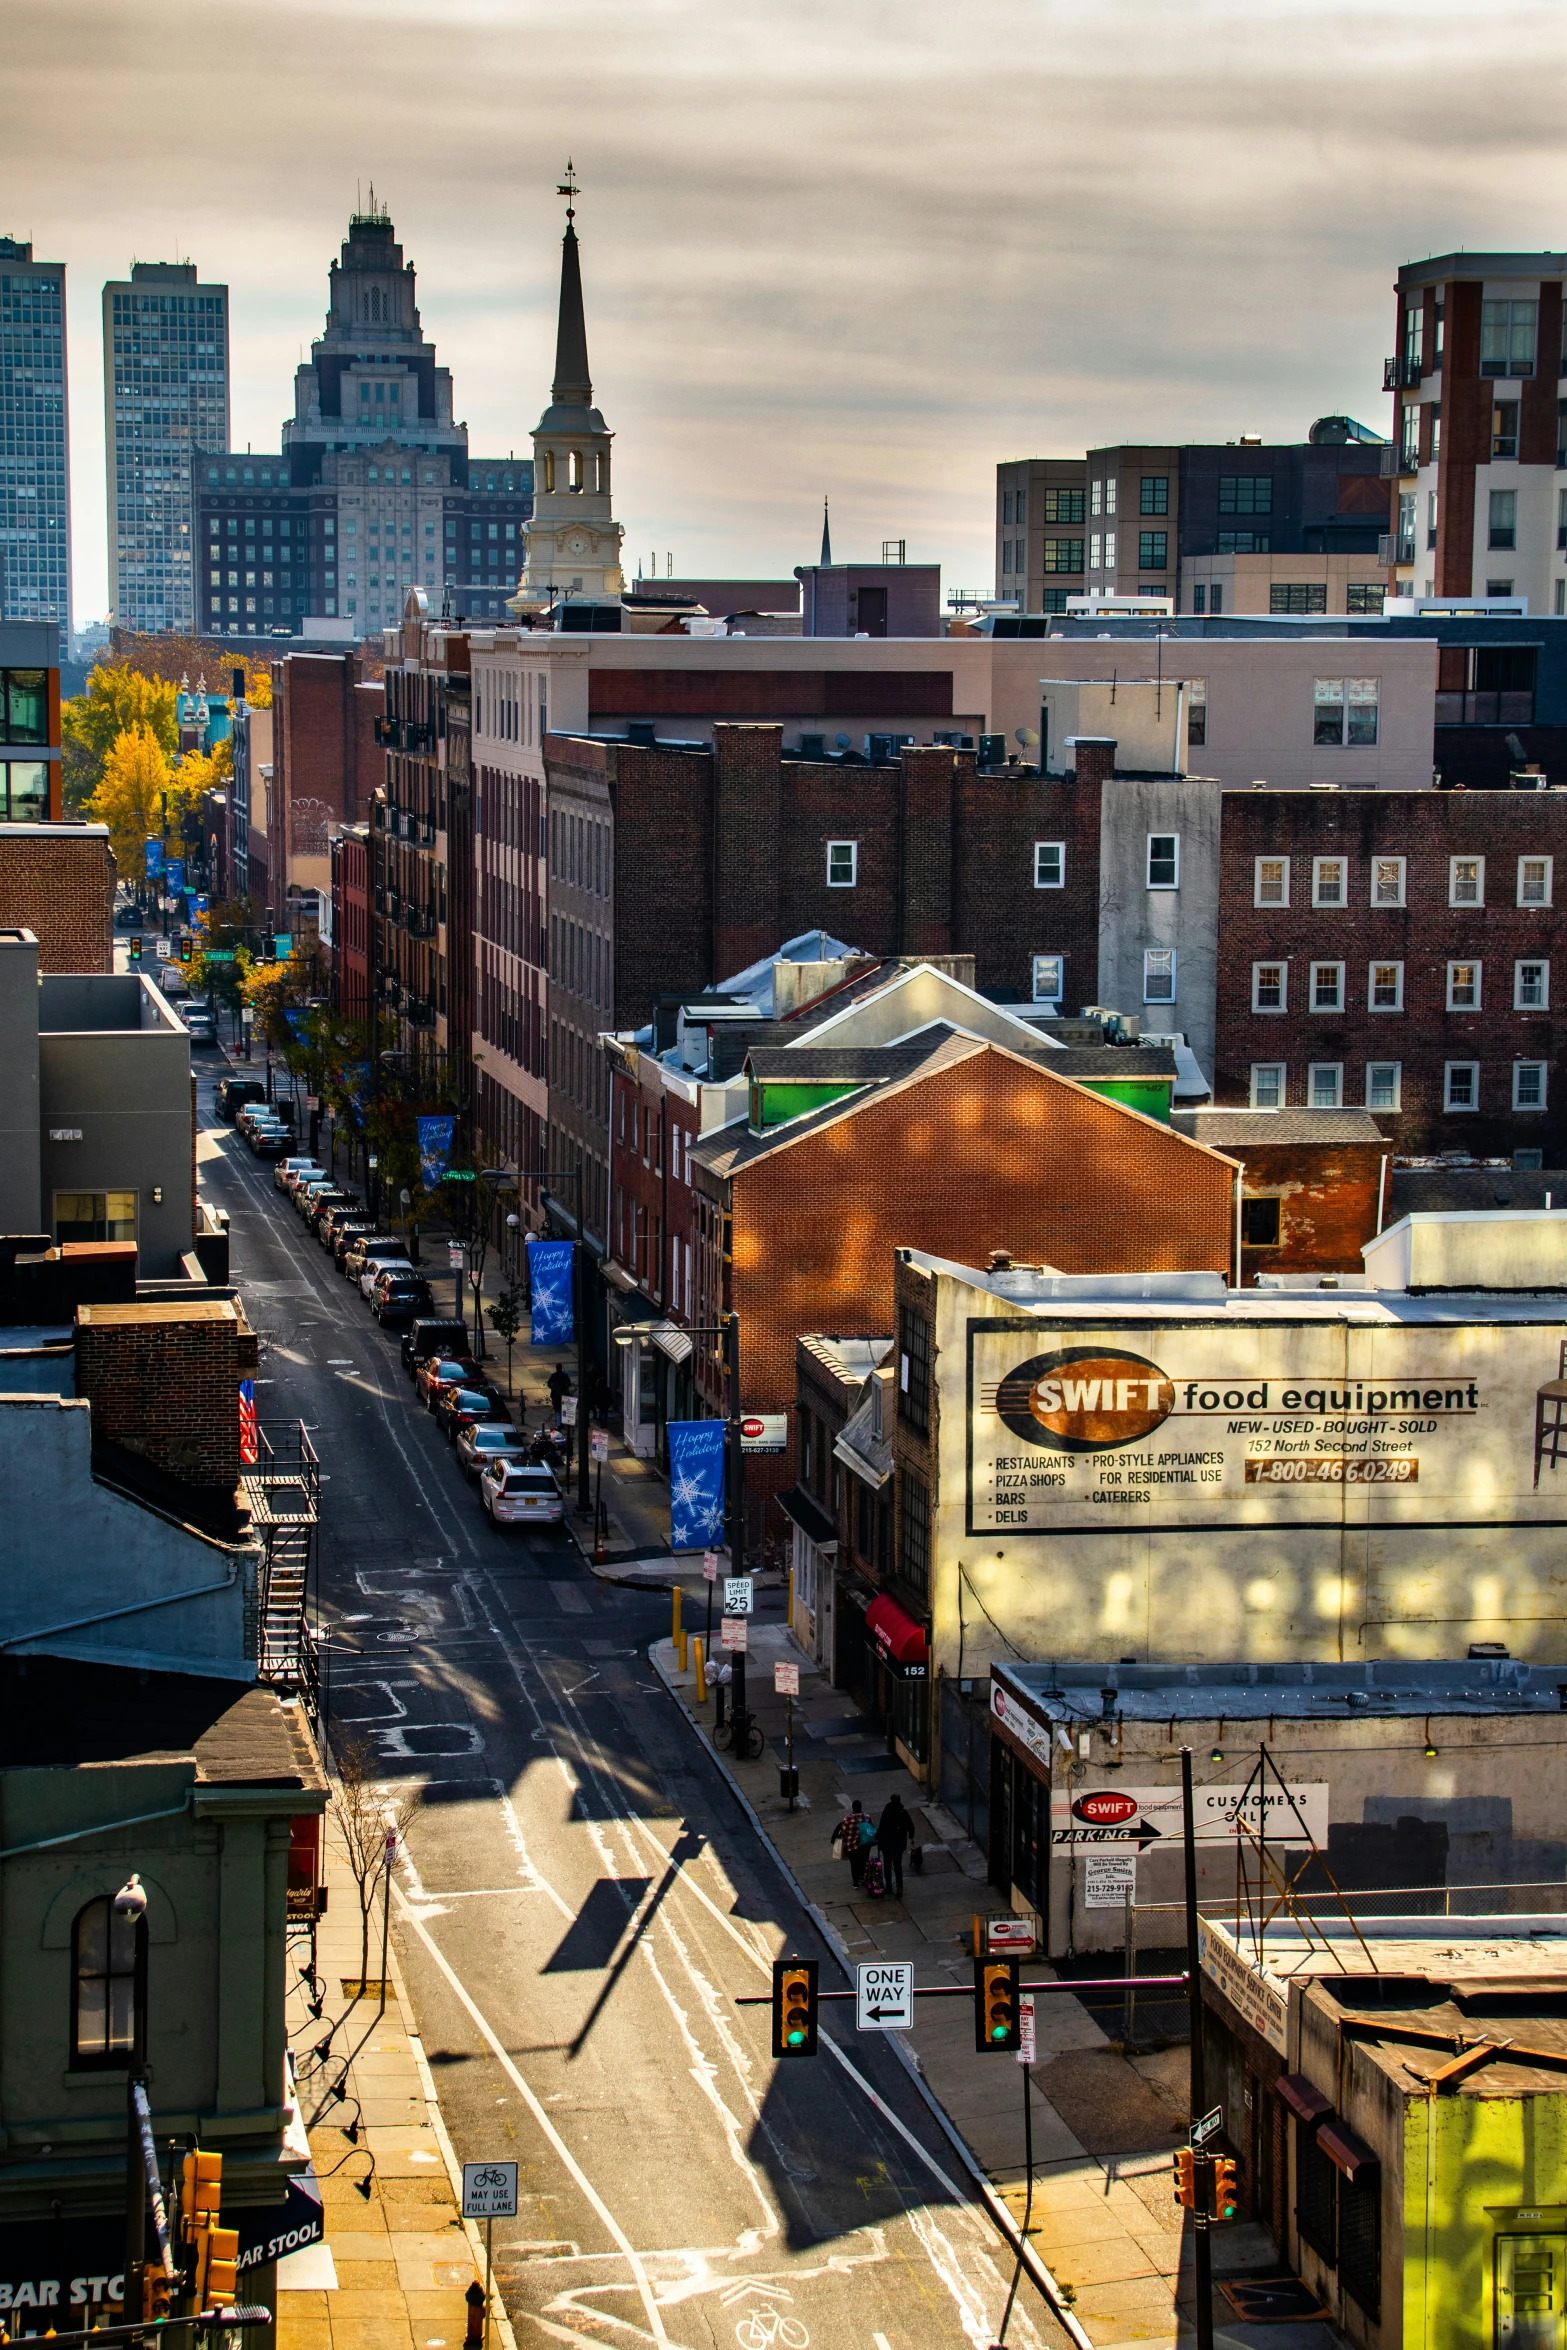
[1049, 978]
[1239, 542]
[94, 1215]
[1267, 1085]
[1328, 882]
[1534, 881]
[1199, 602]
[1316, 2195]
[1270, 881]
[1463, 987]
[914, 1531]
[1109, 562]
[1531, 987]
[1050, 864]
[1096, 497]
[1154, 496]
[1528, 1085]
[1344, 710]
[1327, 704]
[1164, 860]
[1270, 987]
[1159, 975]
[1110, 496]
[843, 864]
[1361, 596]
[1197, 710]
[1006, 506]
[1360, 2241]
[1384, 1085]
[1261, 1223]
[1504, 434]
[1063, 554]
[1327, 987]
[1461, 1085]
[1507, 338]
[1387, 881]
[1095, 555]
[1153, 547]
[1504, 519]
[1466, 881]
[1325, 1085]
[1245, 493]
[108, 1987]
[1364, 700]
[1385, 987]
[1064, 506]
[914, 1353]
[1289, 596]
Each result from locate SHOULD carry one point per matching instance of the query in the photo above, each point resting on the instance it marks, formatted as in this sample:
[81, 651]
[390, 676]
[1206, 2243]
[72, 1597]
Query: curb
[1001, 2217]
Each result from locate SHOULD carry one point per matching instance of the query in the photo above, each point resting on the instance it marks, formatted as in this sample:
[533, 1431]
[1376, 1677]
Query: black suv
[235, 1092]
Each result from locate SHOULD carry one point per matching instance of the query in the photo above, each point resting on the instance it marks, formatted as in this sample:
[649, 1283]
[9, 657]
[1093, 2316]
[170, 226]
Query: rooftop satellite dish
[841, 742]
[1027, 736]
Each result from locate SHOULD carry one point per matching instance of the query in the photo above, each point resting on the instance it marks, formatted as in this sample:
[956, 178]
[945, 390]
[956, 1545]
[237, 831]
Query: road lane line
[503, 2059]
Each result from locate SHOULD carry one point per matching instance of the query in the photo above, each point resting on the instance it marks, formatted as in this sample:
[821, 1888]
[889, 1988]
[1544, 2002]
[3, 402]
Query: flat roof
[1064, 1691]
[1162, 1298]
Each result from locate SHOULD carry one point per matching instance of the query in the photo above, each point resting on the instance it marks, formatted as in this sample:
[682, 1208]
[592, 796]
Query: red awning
[897, 1636]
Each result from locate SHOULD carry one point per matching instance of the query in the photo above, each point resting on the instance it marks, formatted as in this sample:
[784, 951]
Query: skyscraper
[165, 393]
[35, 478]
[374, 491]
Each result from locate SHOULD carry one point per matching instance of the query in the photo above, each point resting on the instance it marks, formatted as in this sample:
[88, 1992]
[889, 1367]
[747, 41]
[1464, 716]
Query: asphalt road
[581, 1901]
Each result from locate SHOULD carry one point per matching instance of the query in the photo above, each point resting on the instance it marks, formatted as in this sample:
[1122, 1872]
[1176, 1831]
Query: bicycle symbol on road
[764, 2327]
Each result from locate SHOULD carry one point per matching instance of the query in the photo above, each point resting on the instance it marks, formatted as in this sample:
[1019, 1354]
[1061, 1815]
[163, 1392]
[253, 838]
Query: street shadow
[591, 1940]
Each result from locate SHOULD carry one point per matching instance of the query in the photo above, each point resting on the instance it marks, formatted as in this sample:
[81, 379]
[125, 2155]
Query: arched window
[575, 463]
[549, 469]
[601, 471]
[108, 1985]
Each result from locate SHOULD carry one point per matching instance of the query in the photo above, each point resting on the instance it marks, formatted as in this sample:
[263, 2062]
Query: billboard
[1215, 1425]
[1295, 1812]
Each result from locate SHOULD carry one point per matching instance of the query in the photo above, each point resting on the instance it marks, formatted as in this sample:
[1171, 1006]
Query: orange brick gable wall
[989, 1154]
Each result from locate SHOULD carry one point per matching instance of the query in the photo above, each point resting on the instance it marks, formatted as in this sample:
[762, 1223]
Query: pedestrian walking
[851, 1838]
[559, 1384]
[894, 1831]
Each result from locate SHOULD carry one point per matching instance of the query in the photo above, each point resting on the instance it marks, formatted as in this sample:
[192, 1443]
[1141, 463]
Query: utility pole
[1199, 2100]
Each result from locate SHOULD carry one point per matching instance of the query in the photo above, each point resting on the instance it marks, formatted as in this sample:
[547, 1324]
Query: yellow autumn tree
[130, 797]
[118, 699]
[258, 684]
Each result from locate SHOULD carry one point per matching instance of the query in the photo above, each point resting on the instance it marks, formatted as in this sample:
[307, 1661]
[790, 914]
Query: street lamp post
[130, 1906]
[579, 1289]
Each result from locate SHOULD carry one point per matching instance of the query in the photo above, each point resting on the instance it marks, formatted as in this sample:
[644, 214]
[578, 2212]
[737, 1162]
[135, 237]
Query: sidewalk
[1104, 2219]
[398, 2260]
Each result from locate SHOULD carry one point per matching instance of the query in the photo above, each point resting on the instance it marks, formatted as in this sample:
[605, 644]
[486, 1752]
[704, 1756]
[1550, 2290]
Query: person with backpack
[894, 1831]
[852, 1837]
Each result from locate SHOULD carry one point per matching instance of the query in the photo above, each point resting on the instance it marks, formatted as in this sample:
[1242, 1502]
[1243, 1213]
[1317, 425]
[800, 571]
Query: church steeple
[826, 539]
[573, 539]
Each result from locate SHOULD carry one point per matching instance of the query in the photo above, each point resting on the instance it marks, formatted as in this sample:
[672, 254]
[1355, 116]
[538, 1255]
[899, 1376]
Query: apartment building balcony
[1401, 375]
[1393, 549]
[1394, 463]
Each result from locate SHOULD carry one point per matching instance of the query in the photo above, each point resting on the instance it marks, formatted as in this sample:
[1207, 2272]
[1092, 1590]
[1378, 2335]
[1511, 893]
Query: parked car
[443, 1371]
[235, 1092]
[248, 1112]
[348, 1210]
[521, 1494]
[349, 1234]
[288, 1171]
[427, 1337]
[465, 1407]
[199, 1026]
[305, 1190]
[305, 1171]
[323, 1201]
[269, 1142]
[373, 1256]
[484, 1444]
[399, 1295]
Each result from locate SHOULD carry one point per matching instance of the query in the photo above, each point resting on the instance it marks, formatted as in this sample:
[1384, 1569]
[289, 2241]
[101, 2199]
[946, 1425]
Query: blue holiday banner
[435, 1148]
[549, 1279]
[696, 1483]
[175, 870]
[154, 857]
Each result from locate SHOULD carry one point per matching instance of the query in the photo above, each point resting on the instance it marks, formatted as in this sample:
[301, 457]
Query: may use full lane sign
[884, 1996]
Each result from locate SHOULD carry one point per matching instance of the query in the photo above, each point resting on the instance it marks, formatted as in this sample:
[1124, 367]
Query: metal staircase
[282, 1489]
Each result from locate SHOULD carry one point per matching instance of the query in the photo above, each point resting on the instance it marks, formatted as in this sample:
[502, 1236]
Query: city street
[581, 1902]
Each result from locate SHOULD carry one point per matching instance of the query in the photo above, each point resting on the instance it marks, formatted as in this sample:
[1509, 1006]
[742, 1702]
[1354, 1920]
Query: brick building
[1315, 1186]
[350, 922]
[162, 1378]
[57, 880]
[962, 1147]
[326, 763]
[1395, 955]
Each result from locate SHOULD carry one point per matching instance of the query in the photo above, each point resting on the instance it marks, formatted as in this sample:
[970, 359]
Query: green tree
[505, 1319]
[118, 699]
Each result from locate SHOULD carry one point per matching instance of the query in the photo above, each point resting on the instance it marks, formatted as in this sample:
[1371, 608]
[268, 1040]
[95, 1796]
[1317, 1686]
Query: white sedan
[521, 1494]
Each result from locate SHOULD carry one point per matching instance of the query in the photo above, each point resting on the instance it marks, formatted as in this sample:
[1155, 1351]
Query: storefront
[655, 1377]
[813, 1556]
[900, 1647]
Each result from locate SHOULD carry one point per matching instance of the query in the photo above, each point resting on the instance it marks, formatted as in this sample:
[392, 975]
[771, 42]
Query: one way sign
[884, 1996]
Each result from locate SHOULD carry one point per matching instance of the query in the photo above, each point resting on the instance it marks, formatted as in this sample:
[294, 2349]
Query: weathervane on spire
[568, 188]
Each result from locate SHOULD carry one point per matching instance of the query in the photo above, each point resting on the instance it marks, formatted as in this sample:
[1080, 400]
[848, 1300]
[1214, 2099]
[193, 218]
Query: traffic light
[1226, 2195]
[136, 949]
[997, 2014]
[1186, 2178]
[184, 946]
[794, 2007]
[201, 2192]
[217, 2269]
[156, 2290]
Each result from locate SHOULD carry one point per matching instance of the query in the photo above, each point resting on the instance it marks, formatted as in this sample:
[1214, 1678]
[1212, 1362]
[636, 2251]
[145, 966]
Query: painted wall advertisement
[1089, 1818]
[1325, 1423]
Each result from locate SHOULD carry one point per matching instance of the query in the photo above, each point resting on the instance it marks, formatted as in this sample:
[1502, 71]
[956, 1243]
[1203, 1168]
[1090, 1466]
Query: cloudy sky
[841, 246]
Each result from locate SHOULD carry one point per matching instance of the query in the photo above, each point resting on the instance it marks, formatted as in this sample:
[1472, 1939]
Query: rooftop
[58, 1713]
[1221, 1129]
[1069, 1692]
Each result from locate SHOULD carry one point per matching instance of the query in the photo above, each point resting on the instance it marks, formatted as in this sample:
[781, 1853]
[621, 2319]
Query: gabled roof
[910, 999]
[1228, 1129]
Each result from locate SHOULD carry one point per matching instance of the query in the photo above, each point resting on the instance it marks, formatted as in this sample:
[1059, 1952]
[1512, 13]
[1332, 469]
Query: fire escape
[282, 1488]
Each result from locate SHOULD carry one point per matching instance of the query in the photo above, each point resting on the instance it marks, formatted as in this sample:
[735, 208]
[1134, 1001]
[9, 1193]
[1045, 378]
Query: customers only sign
[1338, 1421]
[1093, 1818]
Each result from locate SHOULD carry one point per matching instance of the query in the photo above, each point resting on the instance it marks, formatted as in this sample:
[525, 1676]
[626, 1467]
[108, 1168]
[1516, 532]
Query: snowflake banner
[435, 1148]
[696, 1483]
[549, 1282]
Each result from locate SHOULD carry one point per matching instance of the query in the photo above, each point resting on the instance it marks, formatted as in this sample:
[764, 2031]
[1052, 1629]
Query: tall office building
[35, 476]
[165, 394]
[373, 492]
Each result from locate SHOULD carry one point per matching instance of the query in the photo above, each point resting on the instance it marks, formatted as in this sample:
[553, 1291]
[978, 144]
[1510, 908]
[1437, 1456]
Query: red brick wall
[60, 885]
[1327, 1195]
[163, 1383]
[652, 1209]
[324, 752]
[1427, 828]
[1466, 443]
[988, 1154]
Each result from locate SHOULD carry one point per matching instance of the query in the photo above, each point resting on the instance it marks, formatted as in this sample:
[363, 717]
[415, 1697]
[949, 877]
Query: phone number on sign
[1333, 1469]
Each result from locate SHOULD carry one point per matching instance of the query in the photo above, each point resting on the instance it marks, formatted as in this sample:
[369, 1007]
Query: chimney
[1095, 756]
[1000, 1261]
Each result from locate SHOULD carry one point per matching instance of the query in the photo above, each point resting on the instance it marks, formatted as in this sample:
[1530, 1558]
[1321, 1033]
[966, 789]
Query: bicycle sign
[489, 2190]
